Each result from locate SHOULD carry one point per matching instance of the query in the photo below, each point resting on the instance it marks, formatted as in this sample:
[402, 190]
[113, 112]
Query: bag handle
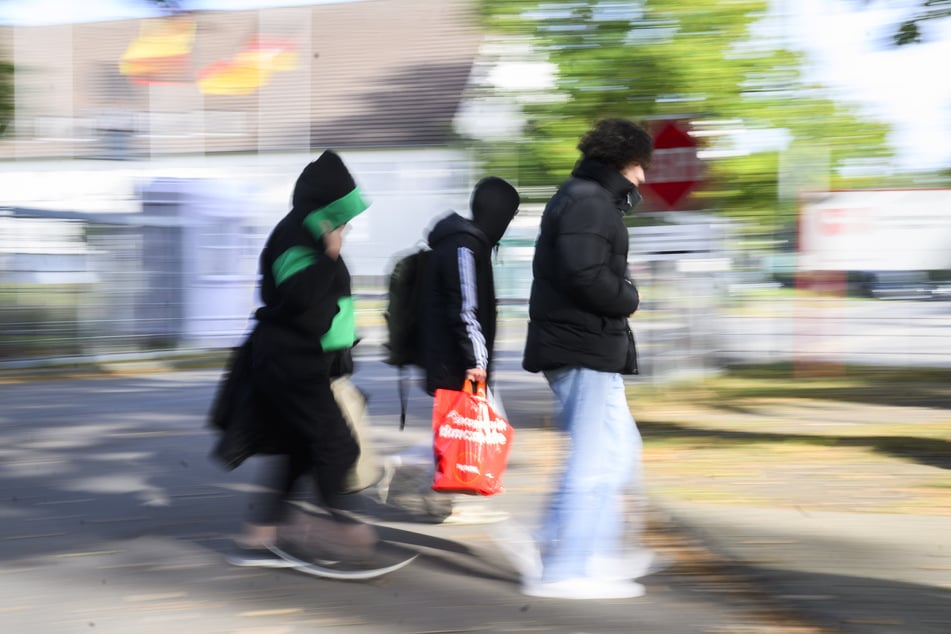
[476, 388]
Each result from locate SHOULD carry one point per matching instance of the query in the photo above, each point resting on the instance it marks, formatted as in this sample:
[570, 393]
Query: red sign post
[675, 169]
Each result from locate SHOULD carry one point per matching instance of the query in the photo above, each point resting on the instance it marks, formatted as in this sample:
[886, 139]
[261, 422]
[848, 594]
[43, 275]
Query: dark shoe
[320, 538]
[259, 557]
[406, 486]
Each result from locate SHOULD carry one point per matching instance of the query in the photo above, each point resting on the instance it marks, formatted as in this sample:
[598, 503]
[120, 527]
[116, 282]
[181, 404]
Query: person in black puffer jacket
[459, 307]
[578, 335]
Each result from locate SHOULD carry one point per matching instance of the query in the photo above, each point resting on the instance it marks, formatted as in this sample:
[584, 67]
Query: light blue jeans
[585, 515]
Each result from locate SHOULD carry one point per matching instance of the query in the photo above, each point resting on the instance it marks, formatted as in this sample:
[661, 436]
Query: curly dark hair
[618, 143]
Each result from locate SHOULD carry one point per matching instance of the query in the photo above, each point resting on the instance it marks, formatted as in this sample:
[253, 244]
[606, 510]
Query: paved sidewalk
[852, 572]
[841, 510]
[114, 520]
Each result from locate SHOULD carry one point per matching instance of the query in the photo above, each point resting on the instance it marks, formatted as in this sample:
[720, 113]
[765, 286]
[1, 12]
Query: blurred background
[798, 210]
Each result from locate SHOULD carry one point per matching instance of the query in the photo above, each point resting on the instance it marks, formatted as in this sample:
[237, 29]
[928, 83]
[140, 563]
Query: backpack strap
[404, 393]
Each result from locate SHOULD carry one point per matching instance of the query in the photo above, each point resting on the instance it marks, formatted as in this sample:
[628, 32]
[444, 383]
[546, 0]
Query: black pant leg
[308, 419]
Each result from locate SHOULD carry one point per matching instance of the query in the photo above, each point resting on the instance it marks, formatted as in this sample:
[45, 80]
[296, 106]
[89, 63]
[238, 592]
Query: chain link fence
[79, 287]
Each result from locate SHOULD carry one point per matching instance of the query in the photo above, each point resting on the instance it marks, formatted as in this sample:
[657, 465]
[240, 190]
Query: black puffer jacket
[581, 296]
[459, 308]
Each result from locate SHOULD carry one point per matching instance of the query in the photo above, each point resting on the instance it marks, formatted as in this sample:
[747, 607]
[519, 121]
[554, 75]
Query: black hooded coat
[276, 397]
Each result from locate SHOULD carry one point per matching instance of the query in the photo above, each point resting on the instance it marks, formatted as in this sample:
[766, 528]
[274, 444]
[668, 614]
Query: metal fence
[126, 285]
[93, 287]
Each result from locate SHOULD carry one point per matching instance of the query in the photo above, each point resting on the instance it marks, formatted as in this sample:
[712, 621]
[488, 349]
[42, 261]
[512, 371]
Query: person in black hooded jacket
[459, 307]
[578, 336]
[302, 339]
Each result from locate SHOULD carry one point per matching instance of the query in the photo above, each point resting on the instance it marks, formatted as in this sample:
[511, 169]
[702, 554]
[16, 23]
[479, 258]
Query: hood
[494, 203]
[452, 225]
[623, 192]
[326, 195]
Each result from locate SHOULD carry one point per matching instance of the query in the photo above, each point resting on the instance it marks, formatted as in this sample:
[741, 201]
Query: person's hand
[476, 374]
[333, 240]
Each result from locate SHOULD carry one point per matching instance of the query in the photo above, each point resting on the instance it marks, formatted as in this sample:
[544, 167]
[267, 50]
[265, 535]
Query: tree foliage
[909, 31]
[713, 61]
[6, 96]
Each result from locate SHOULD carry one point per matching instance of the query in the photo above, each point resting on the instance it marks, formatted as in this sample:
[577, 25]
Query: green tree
[909, 31]
[6, 96]
[719, 62]
[6, 85]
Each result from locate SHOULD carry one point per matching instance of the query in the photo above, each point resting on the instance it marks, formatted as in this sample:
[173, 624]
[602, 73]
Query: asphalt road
[113, 519]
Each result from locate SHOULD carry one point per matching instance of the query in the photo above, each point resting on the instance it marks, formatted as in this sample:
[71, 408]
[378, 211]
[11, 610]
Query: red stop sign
[675, 168]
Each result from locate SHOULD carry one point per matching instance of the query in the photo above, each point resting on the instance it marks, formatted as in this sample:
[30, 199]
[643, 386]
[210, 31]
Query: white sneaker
[624, 568]
[468, 516]
[583, 588]
[467, 509]
[520, 549]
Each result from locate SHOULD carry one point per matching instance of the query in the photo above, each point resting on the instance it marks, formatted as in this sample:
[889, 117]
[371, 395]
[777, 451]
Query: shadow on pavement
[933, 452]
[868, 385]
[857, 605]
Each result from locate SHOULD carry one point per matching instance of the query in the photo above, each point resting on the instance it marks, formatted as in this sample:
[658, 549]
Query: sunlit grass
[867, 384]
[827, 438]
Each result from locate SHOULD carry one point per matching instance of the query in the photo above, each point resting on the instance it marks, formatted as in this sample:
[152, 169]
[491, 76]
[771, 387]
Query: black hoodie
[459, 314]
[308, 307]
[494, 203]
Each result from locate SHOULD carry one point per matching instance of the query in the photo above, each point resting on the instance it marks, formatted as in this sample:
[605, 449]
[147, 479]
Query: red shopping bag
[471, 442]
